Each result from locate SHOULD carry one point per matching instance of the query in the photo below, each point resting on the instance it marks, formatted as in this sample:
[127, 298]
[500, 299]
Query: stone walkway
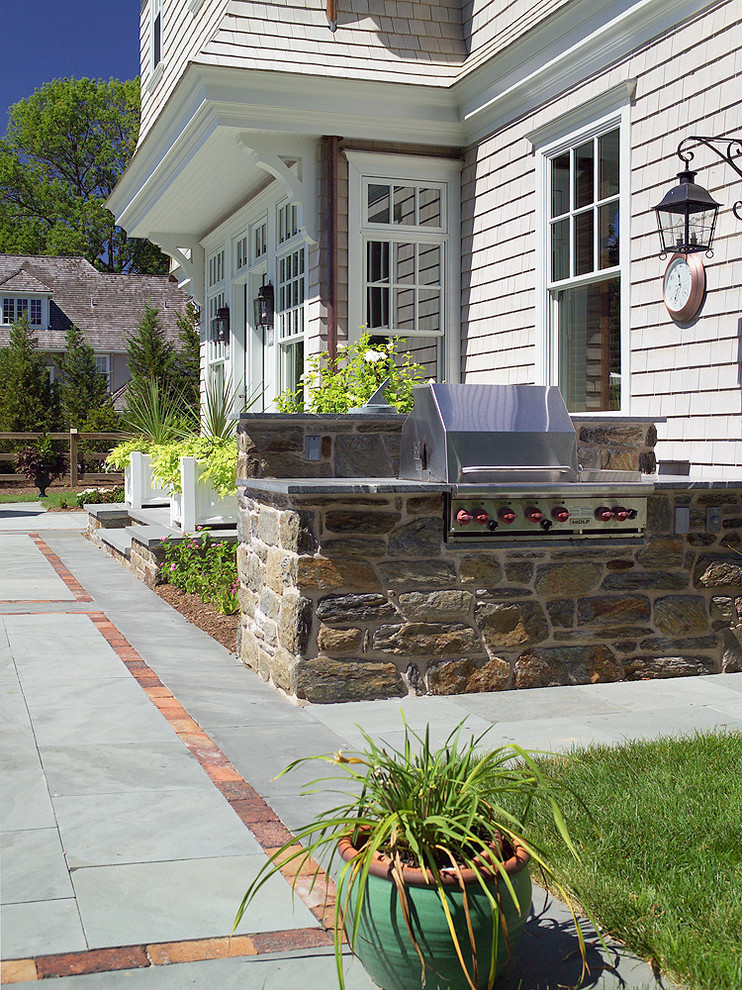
[138, 791]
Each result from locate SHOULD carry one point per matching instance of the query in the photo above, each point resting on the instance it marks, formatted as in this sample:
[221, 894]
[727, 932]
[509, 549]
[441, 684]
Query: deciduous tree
[66, 147]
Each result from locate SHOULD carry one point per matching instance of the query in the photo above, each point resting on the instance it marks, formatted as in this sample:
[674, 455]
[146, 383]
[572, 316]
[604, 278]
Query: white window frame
[156, 68]
[105, 370]
[365, 167]
[15, 298]
[582, 128]
[289, 242]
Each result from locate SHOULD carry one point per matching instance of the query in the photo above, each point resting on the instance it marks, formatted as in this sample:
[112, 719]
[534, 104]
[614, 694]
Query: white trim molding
[293, 163]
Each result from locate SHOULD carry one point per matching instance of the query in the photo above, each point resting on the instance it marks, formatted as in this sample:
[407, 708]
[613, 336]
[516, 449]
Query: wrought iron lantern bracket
[728, 149]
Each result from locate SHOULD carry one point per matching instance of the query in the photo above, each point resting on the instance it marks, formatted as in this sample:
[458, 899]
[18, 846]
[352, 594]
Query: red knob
[534, 514]
[620, 512]
[561, 514]
[481, 517]
[507, 515]
[464, 517]
[604, 513]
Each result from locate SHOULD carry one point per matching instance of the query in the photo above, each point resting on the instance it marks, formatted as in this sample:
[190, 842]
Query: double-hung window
[402, 279]
[585, 203]
[156, 33]
[290, 294]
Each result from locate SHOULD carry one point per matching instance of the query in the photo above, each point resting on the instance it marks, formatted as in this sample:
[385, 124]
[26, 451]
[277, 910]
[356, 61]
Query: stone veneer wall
[350, 597]
[357, 446]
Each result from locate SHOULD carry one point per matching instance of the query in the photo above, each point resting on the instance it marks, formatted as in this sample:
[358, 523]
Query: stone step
[109, 514]
[118, 540]
[150, 535]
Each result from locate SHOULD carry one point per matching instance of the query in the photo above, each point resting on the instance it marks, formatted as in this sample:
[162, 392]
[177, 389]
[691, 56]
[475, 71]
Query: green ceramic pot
[383, 944]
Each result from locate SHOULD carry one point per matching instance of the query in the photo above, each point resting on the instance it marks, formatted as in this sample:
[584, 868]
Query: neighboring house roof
[107, 308]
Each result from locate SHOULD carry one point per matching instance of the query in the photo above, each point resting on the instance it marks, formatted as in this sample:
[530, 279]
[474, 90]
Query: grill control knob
[622, 513]
[481, 517]
[507, 515]
[464, 517]
[604, 513]
[492, 526]
[561, 513]
[534, 514]
[546, 525]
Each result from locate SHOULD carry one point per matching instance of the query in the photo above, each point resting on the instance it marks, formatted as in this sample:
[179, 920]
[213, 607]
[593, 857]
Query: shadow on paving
[548, 956]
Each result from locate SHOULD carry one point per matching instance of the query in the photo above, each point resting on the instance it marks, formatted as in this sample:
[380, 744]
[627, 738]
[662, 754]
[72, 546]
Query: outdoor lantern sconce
[686, 217]
[220, 325]
[264, 307]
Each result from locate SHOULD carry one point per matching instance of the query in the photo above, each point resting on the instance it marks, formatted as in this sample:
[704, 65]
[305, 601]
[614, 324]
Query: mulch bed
[222, 628]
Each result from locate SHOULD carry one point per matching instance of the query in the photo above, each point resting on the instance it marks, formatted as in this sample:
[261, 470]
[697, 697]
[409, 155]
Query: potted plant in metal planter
[41, 463]
[434, 885]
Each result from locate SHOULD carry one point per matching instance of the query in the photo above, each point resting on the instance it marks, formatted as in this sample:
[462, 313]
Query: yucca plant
[454, 814]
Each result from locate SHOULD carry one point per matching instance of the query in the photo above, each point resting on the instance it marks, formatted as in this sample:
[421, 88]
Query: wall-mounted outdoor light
[263, 307]
[220, 325]
[686, 217]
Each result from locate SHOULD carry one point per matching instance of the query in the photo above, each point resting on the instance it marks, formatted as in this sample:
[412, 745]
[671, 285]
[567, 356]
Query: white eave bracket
[189, 255]
[299, 182]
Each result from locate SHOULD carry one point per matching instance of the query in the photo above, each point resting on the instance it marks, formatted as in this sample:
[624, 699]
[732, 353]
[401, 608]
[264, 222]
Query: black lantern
[220, 325]
[264, 307]
[686, 217]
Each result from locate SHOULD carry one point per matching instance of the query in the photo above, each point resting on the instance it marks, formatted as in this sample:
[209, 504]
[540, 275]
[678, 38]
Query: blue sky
[50, 39]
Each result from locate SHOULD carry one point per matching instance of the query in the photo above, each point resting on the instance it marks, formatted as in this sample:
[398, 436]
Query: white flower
[371, 357]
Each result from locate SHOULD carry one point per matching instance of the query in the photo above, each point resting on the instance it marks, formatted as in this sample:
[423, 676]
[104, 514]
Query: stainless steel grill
[509, 455]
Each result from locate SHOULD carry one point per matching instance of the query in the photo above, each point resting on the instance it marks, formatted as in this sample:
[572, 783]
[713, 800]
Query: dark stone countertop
[338, 486]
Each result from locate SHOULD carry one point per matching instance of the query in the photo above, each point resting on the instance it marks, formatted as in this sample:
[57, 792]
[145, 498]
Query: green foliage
[203, 566]
[83, 389]
[40, 457]
[65, 149]
[220, 401]
[353, 377]
[664, 872]
[118, 459]
[217, 455]
[422, 807]
[188, 362]
[155, 417]
[28, 400]
[150, 355]
[98, 496]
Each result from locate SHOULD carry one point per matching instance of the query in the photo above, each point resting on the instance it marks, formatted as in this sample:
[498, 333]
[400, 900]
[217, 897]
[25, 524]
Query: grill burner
[509, 455]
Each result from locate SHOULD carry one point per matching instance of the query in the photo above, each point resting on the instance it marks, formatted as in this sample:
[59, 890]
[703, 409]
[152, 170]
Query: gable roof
[107, 308]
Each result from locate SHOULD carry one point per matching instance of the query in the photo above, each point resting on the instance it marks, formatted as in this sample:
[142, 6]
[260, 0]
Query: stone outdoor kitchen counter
[349, 591]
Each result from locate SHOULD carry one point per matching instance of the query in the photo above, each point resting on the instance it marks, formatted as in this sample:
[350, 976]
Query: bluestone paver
[138, 844]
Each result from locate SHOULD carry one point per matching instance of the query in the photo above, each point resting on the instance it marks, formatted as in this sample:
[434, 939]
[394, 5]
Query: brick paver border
[61, 571]
[310, 883]
[160, 954]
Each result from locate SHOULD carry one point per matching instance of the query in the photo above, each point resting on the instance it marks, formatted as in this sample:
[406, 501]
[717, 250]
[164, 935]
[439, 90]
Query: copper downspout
[332, 240]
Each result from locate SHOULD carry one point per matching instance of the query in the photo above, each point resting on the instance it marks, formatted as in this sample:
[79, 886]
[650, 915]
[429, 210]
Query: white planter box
[198, 504]
[141, 488]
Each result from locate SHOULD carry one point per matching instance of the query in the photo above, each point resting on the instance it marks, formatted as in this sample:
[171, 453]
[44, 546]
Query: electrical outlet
[713, 519]
[682, 519]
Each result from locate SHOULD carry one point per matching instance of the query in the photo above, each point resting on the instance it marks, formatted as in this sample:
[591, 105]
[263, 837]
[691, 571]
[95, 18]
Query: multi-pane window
[260, 240]
[290, 292]
[584, 280]
[404, 264]
[241, 256]
[288, 222]
[103, 366]
[16, 309]
[216, 268]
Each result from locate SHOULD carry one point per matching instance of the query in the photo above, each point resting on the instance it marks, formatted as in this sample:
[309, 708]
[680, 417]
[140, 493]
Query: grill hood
[488, 434]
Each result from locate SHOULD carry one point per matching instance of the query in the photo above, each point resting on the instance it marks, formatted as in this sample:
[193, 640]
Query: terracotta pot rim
[413, 877]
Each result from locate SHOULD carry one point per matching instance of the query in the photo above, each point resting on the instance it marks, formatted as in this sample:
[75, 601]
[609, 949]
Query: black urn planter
[42, 480]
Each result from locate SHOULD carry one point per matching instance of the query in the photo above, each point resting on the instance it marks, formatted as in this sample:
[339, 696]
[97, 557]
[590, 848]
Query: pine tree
[83, 390]
[189, 356]
[151, 356]
[28, 399]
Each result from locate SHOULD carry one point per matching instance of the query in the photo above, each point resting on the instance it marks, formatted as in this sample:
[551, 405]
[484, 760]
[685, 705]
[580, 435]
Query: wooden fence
[75, 476]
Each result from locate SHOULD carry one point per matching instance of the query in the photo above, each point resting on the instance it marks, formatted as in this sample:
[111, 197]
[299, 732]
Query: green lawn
[662, 863]
[50, 502]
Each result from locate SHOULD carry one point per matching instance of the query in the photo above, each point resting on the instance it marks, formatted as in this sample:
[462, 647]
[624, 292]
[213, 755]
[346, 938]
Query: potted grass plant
[433, 857]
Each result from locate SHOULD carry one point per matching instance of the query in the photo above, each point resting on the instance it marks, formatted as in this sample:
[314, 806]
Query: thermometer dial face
[684, 286]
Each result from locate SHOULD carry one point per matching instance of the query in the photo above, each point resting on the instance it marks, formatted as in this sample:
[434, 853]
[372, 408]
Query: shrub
[205, 567]
[353, 377]
[40, 457]
[99, 496]
[217, 455]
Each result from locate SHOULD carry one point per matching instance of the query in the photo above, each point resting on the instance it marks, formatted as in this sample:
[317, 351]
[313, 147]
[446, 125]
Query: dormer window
[14, 310]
